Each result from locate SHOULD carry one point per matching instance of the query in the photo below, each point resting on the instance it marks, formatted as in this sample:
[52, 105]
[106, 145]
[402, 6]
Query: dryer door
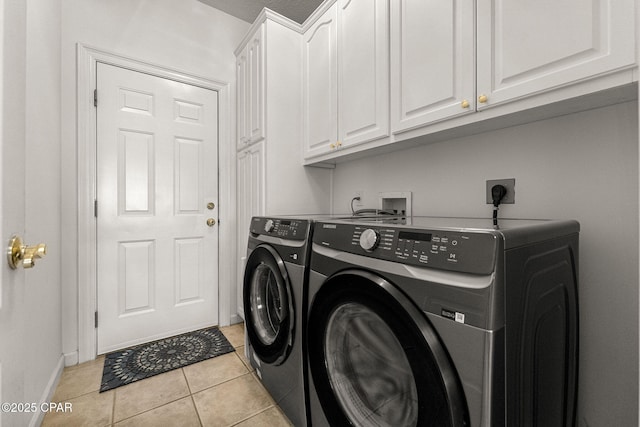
[376, 359]
[268, 305]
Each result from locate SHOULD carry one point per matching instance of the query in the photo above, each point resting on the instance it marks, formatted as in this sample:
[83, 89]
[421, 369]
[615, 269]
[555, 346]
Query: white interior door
[13, 315]
[157, 187]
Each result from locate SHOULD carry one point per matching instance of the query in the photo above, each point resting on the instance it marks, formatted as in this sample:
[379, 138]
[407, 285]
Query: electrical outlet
[509, 184]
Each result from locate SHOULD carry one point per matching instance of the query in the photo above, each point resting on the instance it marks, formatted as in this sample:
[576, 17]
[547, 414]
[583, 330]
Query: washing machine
[443, 322]
[277, 254]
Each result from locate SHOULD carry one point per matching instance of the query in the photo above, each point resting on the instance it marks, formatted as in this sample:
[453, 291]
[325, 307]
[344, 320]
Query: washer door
[376, 360]
[268, 305]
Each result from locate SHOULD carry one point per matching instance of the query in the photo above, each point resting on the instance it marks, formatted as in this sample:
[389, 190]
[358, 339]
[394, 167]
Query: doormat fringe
[146, 360]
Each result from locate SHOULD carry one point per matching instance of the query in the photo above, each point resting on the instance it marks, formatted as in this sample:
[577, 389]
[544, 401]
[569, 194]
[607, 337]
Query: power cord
[497, 194]
[353, 200]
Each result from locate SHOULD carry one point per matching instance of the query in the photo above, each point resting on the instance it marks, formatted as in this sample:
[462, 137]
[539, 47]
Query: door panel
[321, 85]
[363, 77]
[156, 172]
[573, 40]
[13, 161]
[362, 324]
[250, 184]
[268, 305]
[432, 62]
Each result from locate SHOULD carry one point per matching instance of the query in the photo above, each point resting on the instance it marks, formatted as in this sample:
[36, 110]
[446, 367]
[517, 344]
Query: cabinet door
[250, 185]
[242, 116]
[256, 57]
[363, 77]
[432, 61]
[526, 47]
[320, 89]
[250, 201]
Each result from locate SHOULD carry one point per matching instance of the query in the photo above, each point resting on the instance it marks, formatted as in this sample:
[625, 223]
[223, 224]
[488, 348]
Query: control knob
[269, 226]
[369, 239]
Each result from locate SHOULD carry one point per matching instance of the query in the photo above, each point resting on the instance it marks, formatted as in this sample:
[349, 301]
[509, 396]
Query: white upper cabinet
[378, 72]
[432, 61]
[346, 78]
[527, 47]
[250, 77]
[320, 85]
[363, 70]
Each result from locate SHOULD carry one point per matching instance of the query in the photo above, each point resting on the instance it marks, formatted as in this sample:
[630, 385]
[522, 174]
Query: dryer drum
[376, 360]
[268, 305]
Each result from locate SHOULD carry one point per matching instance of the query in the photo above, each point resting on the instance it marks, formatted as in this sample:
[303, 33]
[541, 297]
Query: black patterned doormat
[146, 360]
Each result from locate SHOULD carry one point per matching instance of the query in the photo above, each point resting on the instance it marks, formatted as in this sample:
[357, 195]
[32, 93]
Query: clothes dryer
[443, 322]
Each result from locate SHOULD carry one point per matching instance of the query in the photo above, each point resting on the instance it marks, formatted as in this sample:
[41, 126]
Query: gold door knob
[339, 144]
[31, 253]
[211, 222]
[482, 99]
[211, 206]
[464, 104]
[20, 253]
[332, 146]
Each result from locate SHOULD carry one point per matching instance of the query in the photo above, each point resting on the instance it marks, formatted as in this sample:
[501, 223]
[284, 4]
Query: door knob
[211, 222]
[211, 205]
[20, 253]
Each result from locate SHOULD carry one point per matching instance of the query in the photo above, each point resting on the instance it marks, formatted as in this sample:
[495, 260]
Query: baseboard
[49, 390]
[71, 359]
[236, 319]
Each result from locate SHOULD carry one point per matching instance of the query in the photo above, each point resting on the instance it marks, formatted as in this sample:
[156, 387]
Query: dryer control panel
[469, 252]
[289, 229]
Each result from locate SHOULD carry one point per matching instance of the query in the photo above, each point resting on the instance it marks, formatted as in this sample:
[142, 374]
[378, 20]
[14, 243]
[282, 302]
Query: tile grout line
[252, 415]
[113, 409]
[193, 402]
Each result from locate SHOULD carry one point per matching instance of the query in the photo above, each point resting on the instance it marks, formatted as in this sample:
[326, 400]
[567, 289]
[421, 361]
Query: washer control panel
[289, 229]
[470, 252]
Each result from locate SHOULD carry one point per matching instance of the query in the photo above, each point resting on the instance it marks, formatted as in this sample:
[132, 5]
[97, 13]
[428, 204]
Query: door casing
[87, 58]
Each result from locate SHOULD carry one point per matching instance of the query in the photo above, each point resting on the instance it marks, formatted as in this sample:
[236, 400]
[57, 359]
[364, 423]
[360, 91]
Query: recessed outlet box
[398, 201]
[509, 184]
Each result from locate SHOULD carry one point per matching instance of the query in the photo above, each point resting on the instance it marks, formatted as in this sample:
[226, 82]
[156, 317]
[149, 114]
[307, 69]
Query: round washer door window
[368, 369]
[376, 360]
[268, 305]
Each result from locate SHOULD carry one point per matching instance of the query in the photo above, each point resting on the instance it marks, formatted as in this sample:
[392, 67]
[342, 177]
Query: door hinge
[95, 208]
[95, 318]
[95, 97]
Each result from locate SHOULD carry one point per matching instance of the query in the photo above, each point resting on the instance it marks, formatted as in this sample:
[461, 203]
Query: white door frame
[87, 58]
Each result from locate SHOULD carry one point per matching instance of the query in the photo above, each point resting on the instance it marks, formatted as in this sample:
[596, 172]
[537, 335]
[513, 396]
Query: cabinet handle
[339, 144]
[482, 99]
[464, 104]
[332, 146]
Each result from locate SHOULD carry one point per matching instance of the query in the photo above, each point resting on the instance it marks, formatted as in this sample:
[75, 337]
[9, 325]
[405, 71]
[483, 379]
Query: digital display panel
[411, 235]
[285, 222]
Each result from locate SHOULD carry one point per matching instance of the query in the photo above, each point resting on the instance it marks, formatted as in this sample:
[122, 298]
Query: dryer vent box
[398, 201]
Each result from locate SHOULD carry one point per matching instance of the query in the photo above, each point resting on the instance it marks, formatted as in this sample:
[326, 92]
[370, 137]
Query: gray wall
[582, 166]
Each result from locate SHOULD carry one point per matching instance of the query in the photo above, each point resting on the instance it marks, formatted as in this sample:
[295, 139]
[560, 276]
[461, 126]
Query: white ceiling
[248, 10]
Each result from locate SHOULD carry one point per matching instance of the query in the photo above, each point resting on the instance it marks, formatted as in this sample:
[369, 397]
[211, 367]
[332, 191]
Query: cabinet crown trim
[320, 10]
[267, 14]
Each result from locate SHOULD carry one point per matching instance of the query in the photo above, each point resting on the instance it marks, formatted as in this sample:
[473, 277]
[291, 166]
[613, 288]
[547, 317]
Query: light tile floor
[222, 391]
